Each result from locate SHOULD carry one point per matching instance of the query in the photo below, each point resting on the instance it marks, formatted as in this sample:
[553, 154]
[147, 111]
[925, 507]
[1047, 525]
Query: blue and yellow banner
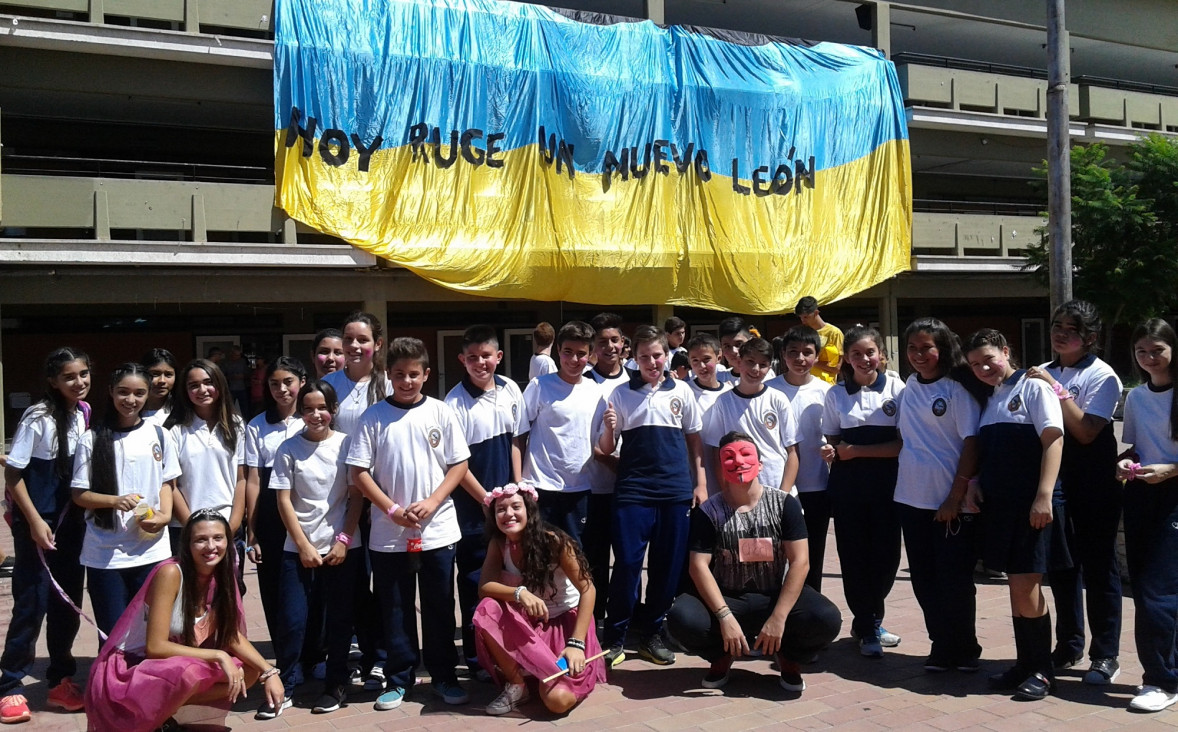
[516, 151]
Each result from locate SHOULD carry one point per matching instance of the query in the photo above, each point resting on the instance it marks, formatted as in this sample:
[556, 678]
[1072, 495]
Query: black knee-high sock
[1039, 645]
[1022, 645]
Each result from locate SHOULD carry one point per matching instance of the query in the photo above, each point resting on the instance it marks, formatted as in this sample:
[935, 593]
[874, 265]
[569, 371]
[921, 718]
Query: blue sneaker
[391, 699]
[450, 692]
[888, 639]
[870, 647]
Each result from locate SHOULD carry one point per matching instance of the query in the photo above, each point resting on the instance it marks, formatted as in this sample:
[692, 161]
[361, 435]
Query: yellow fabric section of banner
[525, 231]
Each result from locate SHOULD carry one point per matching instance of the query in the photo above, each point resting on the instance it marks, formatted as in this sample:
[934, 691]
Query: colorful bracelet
[1061, 392]
[344, 539]
[392, 510]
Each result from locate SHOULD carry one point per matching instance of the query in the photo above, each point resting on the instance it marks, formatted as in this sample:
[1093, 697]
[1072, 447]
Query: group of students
[519, 499]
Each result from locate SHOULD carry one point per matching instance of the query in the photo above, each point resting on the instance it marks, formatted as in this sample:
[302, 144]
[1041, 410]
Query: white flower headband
[510, 490]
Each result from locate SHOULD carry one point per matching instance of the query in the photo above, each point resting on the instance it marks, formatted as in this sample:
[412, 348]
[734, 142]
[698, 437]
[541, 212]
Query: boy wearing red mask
[749, 559]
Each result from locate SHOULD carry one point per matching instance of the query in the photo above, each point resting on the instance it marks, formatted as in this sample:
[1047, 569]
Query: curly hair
[543, 546]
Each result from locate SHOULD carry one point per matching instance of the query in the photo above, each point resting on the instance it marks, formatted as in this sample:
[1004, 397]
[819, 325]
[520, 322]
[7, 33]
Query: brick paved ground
[844, 690]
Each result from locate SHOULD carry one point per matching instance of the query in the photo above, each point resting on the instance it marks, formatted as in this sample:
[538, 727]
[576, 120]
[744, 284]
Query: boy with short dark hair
[704, 357]
[659, 475]
[761, 412]
[407, 456]
[676, 330]
[807, 398]
[563, 411]
[490, 411]
[830, 349]
[542, 361]
[733, 333]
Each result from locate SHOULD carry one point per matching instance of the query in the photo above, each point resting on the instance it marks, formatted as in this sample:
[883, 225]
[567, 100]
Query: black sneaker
[718, 673]
[7, 566]
[268, 712]
[654, 650]
[1063, 658]
[968, 665]
[791, 675]
[1102, 672]
[937, 663]
[614, 656]
[331, 701]
[1035, 687]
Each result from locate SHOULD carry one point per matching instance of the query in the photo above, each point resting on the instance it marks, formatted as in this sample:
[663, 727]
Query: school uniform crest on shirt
[1074, 390]
[157, 452]
[769, 419]
[889, 407]
[676, 406]
[434, 435]
[940, 406]
[1015, 403]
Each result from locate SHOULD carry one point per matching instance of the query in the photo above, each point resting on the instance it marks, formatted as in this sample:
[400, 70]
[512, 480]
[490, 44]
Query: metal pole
[1059, 164]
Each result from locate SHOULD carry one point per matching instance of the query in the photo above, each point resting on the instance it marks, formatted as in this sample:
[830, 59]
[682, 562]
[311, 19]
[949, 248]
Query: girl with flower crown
[537, 607]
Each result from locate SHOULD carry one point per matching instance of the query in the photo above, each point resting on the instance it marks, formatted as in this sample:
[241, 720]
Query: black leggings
[813, 623]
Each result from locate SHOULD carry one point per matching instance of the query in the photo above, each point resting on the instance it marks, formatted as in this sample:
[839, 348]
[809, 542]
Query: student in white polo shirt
[1020, 444]
[807, 399]
[660, 476]
[760, 412]
[123, 462]
[1089, 390]
[490, 409]
[407, 456]
[323, 554]
[563, 412]
[938, 423]
[859, 421]
[210, 445]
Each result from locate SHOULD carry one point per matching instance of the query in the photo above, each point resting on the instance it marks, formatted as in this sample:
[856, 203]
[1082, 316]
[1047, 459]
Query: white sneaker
[511, 697]
[375, 680]
[1152, 699]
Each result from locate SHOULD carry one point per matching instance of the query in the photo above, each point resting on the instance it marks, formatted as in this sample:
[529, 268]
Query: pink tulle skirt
[131, 698]
[535, 644]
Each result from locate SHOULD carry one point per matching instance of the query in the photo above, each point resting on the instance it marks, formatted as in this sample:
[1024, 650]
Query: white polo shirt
[34, 453]
[1147, 425]
[208, 469]
[807, 403]
[316, 474]
[934, 421]
[601, 478]
[408, 449]
[1093, 384]
[142, 464]
[353, 400]
[562, 419]
[766, 417]
[262, 438]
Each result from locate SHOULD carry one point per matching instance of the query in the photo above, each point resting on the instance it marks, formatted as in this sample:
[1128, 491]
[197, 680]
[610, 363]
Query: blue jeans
[111, 591]
[332, 590]
[663, 526]
[35, 601]
[1151, 550]
[397, 577]
[566, 511]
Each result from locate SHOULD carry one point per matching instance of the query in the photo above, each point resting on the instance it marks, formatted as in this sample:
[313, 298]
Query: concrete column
[378, 305]
[656, 10]
[3, 394]
[661, 313]
[889, 328]
[881, 28]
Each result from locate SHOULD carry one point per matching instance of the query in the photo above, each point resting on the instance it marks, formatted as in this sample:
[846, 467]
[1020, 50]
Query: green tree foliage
[1124, 230]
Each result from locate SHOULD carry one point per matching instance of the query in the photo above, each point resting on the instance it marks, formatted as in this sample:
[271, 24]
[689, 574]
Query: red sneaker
[66, 695]
[13, 709]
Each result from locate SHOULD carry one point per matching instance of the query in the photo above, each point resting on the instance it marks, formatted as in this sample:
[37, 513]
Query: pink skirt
[140, 698]
[535, 644]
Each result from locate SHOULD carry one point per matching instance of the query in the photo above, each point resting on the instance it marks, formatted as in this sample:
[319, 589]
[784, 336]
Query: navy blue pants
[867, 535]
[942, 557]
[566, 511]
[596, 542]
[813, 622]
[328, 588]
[396, 577]
[1151, 548]
[270, 535]
[469, 554]
[663, 526]
[816, 509]
[1093, 518]
[35, 601]
[111, 591]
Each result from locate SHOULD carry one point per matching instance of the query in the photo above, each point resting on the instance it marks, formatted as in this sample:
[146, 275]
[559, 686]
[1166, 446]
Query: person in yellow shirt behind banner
[830, 355]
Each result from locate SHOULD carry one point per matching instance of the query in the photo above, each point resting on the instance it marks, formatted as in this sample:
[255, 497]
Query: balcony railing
[248, 18]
